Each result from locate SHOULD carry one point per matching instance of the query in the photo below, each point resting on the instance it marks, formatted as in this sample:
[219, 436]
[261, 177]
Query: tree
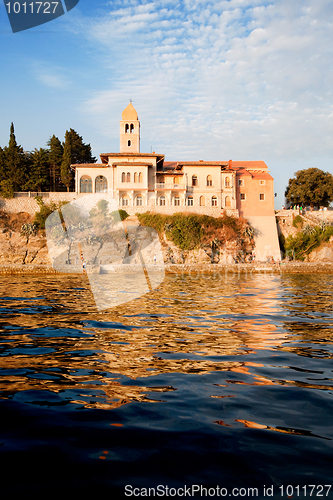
[65, 169]
[311, 187]
[2, 164]
[75, 151]
[56, 152]
[14, 164]
[38, 177]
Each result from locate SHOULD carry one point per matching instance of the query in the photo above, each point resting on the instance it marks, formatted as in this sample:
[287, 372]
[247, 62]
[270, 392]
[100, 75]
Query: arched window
[135, 177]
[194, 180]
[209, 180]
[85, 184]
[101, 184]
[140, 176]
[227, 201]
[227, 182]
[176, 201]
[128, 143]
[202, 201]
[126, 128]
[214, 201]
[125, 200]
[139, 200]
[131, 128]
[162, 200]
[190, 201]
[128, 177]
[123, 177]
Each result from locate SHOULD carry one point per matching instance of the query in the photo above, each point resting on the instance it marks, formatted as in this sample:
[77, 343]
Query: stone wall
[25, 202]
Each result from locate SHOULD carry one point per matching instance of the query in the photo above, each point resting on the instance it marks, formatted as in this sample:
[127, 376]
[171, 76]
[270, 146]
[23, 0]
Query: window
[128, 177]
[162, 200]
[135, 177]
[261, 196]
[176, 201]
[240, 182]
[190, 201]
[128, 143]
[227, 201]
[227, 182]
[123, 177]
[139, 200]
[202, 201]
[125, 200]
[242, 196]
[85, 184]
[176, 180]
[140, 176]
[214, 201]
[101, 184]
[194, 180]
[126, 128]
[262, 183]
[209, 180]
[131, 128]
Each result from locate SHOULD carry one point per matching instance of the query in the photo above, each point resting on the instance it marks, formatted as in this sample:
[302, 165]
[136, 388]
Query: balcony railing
[163, 185]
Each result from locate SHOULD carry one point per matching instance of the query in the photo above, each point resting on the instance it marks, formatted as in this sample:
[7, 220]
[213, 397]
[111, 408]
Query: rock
[323, 254]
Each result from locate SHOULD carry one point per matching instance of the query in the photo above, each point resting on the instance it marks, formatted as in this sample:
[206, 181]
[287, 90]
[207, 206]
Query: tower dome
[129, 113]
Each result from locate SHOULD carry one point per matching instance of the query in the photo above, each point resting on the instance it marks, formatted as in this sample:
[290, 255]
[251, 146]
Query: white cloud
[50, 76]
[247, 79]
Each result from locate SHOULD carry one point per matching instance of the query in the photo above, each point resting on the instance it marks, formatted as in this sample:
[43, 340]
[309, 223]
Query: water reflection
[53, 339]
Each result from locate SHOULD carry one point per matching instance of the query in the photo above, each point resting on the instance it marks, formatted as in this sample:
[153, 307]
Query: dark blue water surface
[215, 381]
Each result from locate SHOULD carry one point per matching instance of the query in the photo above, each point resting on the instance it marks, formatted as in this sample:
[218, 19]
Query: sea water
[211, 386]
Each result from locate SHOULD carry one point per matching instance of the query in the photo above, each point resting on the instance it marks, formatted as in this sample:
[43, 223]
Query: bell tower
[129, 130]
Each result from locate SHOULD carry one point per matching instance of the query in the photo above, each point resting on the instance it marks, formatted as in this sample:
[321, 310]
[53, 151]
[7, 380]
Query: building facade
[142, 182]
[146, 181]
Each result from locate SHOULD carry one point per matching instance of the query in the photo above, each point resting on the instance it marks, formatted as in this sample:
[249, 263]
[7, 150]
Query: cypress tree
[2, 164]
[65, 169]
[14, 166]
[56, 152]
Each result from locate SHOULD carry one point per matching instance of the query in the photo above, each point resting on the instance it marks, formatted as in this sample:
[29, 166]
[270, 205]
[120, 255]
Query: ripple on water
[209, 380]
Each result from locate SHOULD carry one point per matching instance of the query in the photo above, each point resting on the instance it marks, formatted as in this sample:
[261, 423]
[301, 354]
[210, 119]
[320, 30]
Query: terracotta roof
[170, 165]
[261, 175]
[242, 172]
[249, 165]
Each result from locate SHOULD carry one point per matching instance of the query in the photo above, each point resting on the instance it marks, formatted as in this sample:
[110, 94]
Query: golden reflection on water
[187, 326]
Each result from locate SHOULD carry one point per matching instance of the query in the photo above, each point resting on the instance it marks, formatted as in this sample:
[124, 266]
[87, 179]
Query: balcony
[163, 185]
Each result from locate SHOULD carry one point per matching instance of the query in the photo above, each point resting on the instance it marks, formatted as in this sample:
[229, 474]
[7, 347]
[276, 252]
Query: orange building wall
[252, 205]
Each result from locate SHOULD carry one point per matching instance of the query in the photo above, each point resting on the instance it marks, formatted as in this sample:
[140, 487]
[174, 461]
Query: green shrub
[306, 241]
[190, 231]
[45, 211]
[185, 231]
[298, 222]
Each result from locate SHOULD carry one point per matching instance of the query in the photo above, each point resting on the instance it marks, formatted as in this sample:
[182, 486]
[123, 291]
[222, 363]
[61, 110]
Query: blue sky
[237, 79]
